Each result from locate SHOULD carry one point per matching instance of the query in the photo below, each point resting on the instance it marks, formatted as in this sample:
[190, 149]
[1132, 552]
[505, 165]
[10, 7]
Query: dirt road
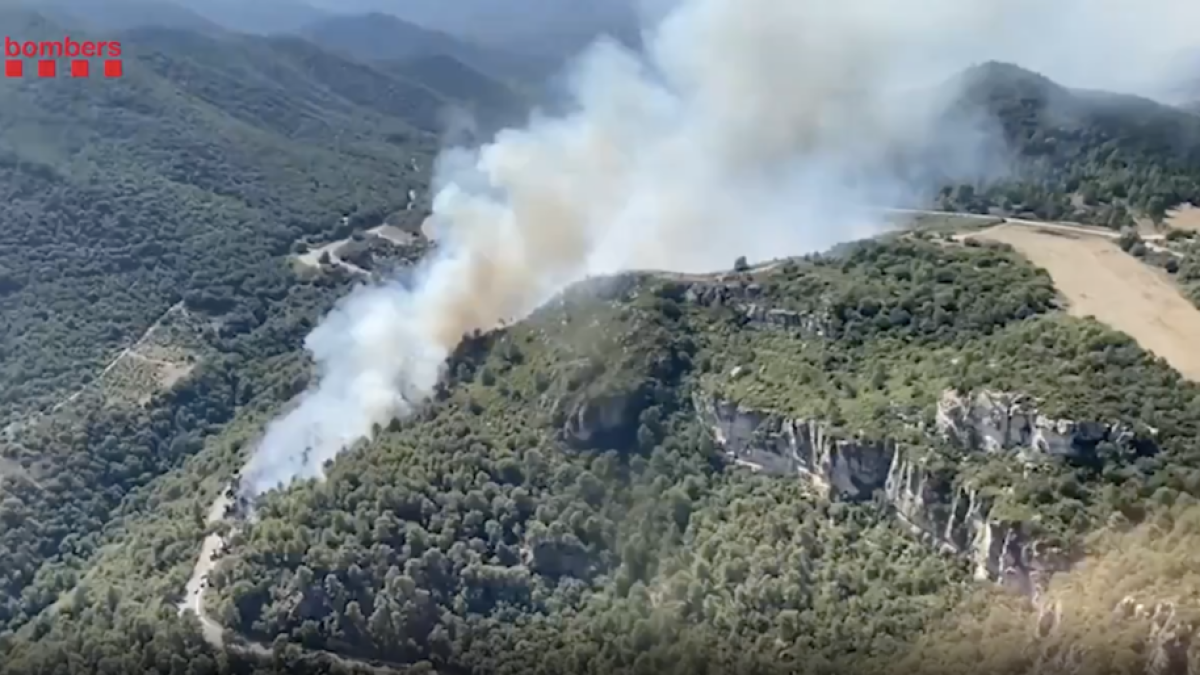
[1100, 280]
[196, 586]
[214, 633]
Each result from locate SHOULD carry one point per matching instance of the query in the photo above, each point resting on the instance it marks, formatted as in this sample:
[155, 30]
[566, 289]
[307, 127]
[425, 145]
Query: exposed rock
[806, 324]
[715, 294]
[1049, 617]
[1166, 646]
[739, 296]
[850, 469]
[952, 516]
[993, 421]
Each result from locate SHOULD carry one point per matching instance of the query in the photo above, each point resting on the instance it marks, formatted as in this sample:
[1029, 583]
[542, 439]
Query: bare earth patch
[1099, 280]
[1184, 217]
[394, 234]
[312, 257]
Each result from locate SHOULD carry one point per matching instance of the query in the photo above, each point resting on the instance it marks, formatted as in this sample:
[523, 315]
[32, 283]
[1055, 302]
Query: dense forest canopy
[189, 179]
[494, 531]
[563, 501]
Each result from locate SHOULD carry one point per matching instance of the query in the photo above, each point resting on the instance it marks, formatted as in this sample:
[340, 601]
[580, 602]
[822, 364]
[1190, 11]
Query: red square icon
[112, 68]
[79, 68]
[14, 68]
[46, 68]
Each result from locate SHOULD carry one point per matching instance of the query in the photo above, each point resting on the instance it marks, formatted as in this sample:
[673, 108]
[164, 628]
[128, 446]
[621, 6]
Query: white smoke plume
[748, 127]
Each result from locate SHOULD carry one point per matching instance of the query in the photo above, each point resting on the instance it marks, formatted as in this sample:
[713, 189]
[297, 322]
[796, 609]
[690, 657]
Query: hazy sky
[1135, 46]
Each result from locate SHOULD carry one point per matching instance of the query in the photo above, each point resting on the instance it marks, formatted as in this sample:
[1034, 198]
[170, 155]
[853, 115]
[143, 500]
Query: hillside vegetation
[183, 184]
[560, 502]
[1087, 156]
[507, 525]
[383, 38]
[189, 179]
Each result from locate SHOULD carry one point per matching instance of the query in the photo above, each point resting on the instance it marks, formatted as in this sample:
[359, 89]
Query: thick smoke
[749, 127]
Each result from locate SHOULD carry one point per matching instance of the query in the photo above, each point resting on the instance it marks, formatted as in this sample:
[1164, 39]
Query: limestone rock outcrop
[746, 298]
[952, 515]
[991, 421]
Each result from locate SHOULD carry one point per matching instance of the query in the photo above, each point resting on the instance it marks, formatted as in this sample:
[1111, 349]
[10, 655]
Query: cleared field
[1184, 217]
[1100, 280]
[312, 258]
[165, 354]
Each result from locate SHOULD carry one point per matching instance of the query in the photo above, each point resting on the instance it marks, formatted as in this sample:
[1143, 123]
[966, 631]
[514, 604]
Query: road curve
[213, 632]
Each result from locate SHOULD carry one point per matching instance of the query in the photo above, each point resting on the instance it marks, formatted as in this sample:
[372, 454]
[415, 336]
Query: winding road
[213, 632]
[193, 600]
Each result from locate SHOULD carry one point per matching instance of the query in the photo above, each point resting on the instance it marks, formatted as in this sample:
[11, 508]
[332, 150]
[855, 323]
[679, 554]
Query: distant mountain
[1089, 155]
[548, 30]
[493, 104]
[383, 37]
[1047, 118]
[120, 14]
[261, 17]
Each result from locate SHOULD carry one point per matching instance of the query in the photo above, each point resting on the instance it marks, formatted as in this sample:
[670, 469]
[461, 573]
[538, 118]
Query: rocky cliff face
[846, 468]
[1170, 636]
[992, 421]
[949, 513]
[747, 299]
[954, 515]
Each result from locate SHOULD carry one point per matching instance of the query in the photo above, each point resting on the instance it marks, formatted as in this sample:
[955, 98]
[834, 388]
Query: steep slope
[263, 17]
[591, 407]
[178, 189]
[494, 105]
[751, 472]
[546, 31]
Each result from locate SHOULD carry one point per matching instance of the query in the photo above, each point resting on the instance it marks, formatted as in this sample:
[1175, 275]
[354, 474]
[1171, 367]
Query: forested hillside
[183, 184]
[508, 525]
[564, 500]
[1087, 156]
[189, 178]
[377, 37]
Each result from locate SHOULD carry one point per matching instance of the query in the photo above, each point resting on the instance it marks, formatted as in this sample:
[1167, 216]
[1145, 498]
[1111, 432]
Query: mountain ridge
[378, 37]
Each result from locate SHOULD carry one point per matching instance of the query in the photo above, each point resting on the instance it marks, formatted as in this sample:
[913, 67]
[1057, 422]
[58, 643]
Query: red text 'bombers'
[46, 52]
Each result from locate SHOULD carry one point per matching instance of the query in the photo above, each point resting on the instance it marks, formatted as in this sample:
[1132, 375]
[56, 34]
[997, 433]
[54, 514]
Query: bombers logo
[47, 51]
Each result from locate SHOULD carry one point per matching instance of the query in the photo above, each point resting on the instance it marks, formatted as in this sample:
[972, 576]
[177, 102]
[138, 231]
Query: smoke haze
[748, 127]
